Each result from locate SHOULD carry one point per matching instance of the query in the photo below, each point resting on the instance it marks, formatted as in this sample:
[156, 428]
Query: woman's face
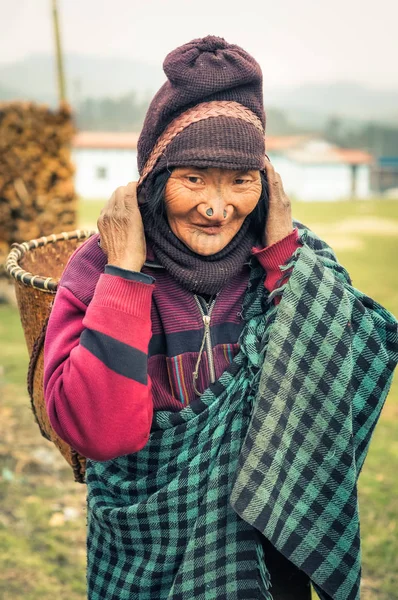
[191, 191]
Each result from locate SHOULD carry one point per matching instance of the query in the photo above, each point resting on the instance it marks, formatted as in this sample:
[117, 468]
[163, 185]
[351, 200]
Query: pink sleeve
[97, 391]
[272, 257]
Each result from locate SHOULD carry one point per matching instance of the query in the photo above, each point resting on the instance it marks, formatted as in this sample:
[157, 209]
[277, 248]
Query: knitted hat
[209, 113]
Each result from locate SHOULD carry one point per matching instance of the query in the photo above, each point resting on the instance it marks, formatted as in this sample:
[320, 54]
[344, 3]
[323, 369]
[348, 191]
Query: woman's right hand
[121, 229]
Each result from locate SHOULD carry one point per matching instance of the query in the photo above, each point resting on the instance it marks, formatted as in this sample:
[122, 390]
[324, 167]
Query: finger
[109, 203]
[279, 182]
[132, 187]
[113, 201]
[130, 196]
[116, 201]
[269, 170]
[273, 177]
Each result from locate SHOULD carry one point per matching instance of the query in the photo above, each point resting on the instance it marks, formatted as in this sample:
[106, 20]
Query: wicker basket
[35, 294]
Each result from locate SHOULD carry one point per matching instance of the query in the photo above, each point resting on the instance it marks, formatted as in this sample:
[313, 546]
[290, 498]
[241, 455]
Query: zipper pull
[206, 336]
[206, 321]
[195, 374]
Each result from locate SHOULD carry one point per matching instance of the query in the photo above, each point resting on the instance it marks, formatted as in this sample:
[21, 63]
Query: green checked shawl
[273, 448]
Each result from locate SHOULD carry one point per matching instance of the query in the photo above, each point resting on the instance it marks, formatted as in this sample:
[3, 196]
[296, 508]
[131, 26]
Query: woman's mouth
[210, 229]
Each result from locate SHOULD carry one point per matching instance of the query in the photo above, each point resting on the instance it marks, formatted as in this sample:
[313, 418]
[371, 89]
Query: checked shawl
[273, 448]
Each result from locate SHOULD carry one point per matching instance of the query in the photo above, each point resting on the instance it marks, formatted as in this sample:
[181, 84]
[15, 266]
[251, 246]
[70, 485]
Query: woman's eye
[193, 179]
[240, 181]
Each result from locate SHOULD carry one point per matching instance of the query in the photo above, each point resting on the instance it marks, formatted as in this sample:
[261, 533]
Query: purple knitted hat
[207, 70]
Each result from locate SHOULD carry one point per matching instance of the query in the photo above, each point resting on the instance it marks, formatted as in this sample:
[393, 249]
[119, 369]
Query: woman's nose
[214, 209]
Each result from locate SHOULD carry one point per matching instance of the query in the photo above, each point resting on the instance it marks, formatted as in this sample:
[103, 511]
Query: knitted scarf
[198, 274]
[273, 448]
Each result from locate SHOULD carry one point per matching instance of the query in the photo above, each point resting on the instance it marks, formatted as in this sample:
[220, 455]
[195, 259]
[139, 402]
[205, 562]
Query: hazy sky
[295, 41]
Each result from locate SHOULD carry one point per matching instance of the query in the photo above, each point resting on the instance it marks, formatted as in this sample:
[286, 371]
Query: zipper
[206, 316]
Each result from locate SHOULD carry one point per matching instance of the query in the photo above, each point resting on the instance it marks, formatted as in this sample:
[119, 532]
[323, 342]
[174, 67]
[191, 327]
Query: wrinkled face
[206, 207]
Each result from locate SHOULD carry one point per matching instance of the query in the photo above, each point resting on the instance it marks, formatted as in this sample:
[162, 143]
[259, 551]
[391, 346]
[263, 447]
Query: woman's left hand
[279, 220]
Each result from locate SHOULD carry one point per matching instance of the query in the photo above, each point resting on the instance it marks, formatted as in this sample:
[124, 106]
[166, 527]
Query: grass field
[42, 514]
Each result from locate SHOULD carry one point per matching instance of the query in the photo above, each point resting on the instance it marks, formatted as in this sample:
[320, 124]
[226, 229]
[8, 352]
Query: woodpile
[37, 195]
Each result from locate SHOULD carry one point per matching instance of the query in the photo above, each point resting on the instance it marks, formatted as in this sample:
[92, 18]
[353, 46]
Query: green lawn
[89, 212]
[42, 515]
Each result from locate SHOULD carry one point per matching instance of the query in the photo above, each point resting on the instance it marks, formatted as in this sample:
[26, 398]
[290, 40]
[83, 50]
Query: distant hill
[347, 100]
[7, 93]
[306, 106]
[86, 76]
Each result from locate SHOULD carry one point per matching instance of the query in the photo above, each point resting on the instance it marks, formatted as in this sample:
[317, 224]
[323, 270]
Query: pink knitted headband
[205, 110]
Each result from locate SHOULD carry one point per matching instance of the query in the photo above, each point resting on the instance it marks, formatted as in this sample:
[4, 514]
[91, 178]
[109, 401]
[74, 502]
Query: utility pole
[60, 66]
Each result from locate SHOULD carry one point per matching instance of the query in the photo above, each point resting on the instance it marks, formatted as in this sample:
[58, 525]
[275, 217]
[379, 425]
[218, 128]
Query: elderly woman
[212, 360]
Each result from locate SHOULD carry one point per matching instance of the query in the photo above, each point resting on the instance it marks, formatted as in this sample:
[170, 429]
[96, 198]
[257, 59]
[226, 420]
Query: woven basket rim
[40, 282]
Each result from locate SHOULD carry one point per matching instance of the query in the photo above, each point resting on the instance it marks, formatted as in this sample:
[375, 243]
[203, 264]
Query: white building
[311, 169]
[103, 161]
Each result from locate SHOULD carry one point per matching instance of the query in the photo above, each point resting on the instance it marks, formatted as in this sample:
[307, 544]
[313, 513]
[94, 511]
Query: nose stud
[209, 213]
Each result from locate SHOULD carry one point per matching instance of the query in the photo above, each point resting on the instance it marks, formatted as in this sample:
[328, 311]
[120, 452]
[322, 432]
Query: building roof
[128, 140]
[106, 140]
[354, 157]
[281, 143]
[299, 148]
[320, 152]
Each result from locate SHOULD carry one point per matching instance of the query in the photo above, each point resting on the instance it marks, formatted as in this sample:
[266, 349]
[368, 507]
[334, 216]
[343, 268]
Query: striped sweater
[118, 347]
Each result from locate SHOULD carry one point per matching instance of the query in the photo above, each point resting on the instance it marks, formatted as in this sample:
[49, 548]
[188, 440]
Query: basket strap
[37, 347]
[77, 465]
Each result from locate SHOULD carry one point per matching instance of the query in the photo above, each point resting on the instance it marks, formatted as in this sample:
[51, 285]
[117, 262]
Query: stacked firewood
[37, 196]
